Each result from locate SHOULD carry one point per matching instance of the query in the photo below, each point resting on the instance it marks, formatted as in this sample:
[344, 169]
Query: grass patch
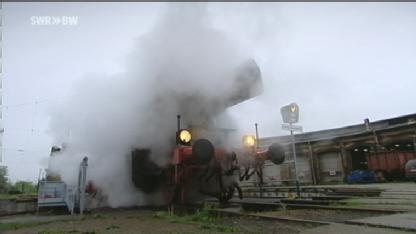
[203, 217]
[55, 231]
[350, 203]
[52, 232]
[218, 228]
[73, 231]
[135, 217]
[90, 232]
[112, 226]
[99, 216]
[4, 196]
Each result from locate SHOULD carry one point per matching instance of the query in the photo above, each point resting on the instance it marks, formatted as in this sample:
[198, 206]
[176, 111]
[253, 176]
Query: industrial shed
[328, 156]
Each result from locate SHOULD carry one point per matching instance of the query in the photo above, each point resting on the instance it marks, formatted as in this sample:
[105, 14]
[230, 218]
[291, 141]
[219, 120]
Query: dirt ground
[120, 221]
[146, 221]
[322, 214]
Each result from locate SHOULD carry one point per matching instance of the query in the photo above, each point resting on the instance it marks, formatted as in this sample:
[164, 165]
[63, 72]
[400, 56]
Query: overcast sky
[341, 62]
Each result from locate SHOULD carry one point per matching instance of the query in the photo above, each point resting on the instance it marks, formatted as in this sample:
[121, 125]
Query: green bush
[14, 191]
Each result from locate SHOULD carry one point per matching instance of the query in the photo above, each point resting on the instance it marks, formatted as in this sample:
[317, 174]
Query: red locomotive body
[200, 169]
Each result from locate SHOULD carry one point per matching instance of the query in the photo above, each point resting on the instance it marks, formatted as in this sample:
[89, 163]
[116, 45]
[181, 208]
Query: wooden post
[312, 163]
[343, 161]
[414, 142]
[317, 169]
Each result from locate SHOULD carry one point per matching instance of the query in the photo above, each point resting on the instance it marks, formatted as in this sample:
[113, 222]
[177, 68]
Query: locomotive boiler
[199, 167]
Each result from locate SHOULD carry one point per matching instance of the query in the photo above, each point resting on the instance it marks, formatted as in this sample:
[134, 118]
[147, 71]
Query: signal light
[249, 141]
[184, 136]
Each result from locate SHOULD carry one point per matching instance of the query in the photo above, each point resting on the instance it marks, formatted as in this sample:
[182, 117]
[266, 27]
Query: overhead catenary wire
[32, 128]
[34, 102]
[20, 150]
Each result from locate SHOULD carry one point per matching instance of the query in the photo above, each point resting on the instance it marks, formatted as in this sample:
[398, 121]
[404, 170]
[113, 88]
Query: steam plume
[182, 66]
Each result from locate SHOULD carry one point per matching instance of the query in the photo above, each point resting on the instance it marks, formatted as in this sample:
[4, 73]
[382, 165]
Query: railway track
[308, 191]
[312, 214]
[307, 221]
[268, 204]
[269, 217]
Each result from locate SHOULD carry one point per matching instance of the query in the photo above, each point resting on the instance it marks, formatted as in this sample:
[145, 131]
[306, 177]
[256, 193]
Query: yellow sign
[293, 109]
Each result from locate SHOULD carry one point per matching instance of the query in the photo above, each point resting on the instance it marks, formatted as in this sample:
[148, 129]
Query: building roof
[352, 130]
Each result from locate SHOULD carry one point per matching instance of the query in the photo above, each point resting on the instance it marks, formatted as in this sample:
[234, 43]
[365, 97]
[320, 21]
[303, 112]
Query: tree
[25, 187]
[3, 179]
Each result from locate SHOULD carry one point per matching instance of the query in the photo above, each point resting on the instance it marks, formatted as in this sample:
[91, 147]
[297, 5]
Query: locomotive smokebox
[276, 153]
[202, 151]
[147, 175]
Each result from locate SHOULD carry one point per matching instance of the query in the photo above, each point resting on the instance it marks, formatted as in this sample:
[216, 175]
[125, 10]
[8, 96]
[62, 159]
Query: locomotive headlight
[185, 136]
[249, 141]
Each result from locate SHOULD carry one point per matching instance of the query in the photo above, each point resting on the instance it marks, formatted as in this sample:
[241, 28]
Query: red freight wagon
[391, 164]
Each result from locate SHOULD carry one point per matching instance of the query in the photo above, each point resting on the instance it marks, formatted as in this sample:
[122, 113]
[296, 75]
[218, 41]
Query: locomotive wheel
[226, 194]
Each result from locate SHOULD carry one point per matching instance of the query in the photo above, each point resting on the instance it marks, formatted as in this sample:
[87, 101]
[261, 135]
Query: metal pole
[37, 187]
[257, 135]
[82, 181]
[171, 207]
[178, 118]
[260, 172]
[294, 159]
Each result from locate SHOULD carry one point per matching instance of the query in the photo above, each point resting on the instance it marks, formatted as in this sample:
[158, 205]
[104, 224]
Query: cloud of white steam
[182, 66]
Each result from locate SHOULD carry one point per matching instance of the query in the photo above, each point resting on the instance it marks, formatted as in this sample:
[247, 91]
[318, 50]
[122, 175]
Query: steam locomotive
[198, 167]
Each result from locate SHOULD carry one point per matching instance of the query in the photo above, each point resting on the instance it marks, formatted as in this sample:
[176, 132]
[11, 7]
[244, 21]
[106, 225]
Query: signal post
[290, 115]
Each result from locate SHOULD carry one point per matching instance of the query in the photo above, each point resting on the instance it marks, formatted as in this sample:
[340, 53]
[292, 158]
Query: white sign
[295, 128]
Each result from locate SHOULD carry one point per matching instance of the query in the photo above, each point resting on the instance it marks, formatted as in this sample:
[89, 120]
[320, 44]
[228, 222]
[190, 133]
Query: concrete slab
[348, 229]
[403, 221]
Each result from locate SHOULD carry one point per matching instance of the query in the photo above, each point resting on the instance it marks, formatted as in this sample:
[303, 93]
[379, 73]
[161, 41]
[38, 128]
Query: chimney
[367, 124]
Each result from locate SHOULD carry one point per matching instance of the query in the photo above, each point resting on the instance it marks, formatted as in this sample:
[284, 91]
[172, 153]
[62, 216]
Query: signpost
[290, 115]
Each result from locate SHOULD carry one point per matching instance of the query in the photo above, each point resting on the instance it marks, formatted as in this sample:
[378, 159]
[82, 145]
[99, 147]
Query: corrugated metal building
[328, 156]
